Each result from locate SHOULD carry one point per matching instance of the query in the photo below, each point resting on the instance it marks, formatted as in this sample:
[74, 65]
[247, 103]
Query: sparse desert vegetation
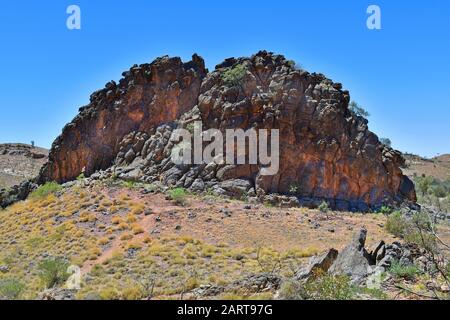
[168, 252]
[131, 244]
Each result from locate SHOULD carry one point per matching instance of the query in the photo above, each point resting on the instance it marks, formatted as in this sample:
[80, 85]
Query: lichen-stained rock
[326, 152]
[147, 95]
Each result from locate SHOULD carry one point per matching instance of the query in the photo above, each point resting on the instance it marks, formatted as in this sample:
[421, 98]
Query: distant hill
[19, 162]
[437, 167]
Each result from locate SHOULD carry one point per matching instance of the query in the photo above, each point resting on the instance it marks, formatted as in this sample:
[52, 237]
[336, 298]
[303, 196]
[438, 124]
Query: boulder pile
[360, 264]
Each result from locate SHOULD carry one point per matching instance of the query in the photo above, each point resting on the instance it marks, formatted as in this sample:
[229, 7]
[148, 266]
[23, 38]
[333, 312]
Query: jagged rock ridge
[326, 151]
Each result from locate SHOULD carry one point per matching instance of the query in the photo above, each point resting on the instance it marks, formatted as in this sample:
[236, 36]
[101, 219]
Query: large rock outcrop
[326, 152]
[147, 95]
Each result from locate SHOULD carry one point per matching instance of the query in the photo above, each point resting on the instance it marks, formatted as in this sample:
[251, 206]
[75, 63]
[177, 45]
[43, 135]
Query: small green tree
[396, 224]
[323, 207]
[424, 183]
[295, 65]
[386, 210]
[53, 271]
[358, 110]
[386, 141]
[439, 191]
[234, 76]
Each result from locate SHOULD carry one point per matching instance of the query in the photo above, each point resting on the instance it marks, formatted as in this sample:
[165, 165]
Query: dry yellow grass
[103, 230]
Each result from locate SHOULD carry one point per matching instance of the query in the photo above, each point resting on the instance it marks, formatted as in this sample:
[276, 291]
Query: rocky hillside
[327, 153]
[19, 162]
[437, 167]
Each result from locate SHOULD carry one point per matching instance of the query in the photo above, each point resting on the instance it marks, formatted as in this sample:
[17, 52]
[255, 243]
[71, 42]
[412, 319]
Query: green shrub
[292, 290]
[386, 141]
[407, 272]
[328, 287]
[439, 191]
[396, 224]
[428, 185]
[178, 195]
[234, 76]
[386, 210]
[358, 110]
[323, 207]
[53, 271]
[130, 184]
[291, 63]
[45, 189]
[81, 176]
[294, 188]
[416, 230]
[420, 232]
[10, 289]
[294, 65]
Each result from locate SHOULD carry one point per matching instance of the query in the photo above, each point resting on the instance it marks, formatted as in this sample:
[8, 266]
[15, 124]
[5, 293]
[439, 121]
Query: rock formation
[147, 96]
[327, 152]
[359, 264]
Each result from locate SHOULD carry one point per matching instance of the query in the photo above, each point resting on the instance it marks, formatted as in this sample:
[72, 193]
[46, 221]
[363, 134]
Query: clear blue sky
[400, 73]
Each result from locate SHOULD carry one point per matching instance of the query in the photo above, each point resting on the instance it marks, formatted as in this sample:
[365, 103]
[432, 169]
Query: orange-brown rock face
[147, 96]
[326, 152]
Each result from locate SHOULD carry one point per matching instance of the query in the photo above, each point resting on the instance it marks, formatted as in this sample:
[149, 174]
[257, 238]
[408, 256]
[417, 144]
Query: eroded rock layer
[326, 152]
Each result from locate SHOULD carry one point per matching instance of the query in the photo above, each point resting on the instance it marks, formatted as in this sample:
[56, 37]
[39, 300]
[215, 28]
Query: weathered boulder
[358, 264]
[318, 265]
[354, 261]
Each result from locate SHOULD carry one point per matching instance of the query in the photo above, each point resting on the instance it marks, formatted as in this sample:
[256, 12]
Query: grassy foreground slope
[131, 242]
